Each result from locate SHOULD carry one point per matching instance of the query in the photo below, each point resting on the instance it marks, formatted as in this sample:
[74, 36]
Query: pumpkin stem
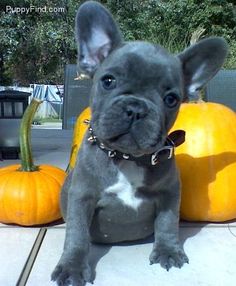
[27, 164]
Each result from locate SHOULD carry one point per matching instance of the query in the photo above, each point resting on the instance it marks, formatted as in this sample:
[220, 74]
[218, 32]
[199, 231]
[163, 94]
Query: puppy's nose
[136, 111]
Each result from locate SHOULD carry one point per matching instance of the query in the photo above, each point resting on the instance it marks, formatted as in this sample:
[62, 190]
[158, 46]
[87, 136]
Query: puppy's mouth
[114, 139]
[130, 143]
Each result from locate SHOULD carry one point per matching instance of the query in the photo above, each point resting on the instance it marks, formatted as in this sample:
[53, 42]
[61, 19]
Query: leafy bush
[35, 47]
[171, 23]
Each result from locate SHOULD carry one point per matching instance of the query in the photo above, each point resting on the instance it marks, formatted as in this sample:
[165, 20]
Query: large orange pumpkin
[207, 162]
[29, 194]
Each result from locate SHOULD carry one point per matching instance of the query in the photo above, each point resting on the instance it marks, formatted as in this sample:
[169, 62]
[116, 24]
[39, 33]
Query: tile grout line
[25, 273]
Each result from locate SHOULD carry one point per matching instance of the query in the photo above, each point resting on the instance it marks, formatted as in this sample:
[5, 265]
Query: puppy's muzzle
[136, 111]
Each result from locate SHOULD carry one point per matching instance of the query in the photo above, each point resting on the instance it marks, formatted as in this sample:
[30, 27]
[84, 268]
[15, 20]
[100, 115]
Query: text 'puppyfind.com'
[33, 9]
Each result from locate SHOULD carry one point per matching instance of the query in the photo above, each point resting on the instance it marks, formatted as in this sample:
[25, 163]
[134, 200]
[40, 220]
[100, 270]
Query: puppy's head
[138, 86]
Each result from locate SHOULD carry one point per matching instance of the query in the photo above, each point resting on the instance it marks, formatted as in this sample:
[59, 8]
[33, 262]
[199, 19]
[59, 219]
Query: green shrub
[171, 23]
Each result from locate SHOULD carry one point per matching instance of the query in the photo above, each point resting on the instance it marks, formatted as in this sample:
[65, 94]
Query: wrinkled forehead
[142, 61]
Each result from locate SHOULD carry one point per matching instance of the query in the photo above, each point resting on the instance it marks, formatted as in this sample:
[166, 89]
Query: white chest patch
[127, 184]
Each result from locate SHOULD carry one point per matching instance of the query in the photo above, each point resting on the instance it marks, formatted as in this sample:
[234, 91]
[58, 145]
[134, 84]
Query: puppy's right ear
[200, 62]
[97, 35]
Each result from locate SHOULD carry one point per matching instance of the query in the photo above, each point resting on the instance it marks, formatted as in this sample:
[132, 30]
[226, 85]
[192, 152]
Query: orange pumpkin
[78, 135]
[29, 194]
[207, 162]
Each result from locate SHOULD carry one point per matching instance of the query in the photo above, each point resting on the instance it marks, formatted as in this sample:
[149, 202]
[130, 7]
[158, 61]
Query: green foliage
[171, 23]
[34, 47]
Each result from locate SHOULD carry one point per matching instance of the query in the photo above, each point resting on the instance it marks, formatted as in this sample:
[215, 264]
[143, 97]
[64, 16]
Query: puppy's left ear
[97, 35]
[200, 63]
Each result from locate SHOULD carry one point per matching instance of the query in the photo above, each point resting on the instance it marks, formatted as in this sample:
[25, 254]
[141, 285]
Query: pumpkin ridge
[55, 178]
[49, 192]
[52, 175]
[26, 193]
[36, 198]
[3, 196]
[11, 177]
[42, 185]
[43, 196]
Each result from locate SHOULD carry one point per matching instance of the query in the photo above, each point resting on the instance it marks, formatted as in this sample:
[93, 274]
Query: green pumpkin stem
[27, 164]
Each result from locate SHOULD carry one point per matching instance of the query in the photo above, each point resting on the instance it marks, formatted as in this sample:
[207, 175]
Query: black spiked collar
[173, 140]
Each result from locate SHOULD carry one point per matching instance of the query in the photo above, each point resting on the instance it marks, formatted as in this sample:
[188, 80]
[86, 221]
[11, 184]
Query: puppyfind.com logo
[32, 9]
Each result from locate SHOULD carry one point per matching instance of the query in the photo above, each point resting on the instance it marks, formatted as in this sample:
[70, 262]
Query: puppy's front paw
[168, 257]
[69, 272]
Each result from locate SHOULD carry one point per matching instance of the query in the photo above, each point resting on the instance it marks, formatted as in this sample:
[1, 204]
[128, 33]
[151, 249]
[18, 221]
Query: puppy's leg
[73, 267]
[166, 249]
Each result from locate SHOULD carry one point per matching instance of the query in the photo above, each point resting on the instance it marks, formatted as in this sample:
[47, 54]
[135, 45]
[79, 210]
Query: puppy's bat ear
[200, 63]
[97, 35]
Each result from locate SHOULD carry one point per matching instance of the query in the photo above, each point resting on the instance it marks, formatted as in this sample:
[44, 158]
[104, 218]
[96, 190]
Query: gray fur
[106, 200]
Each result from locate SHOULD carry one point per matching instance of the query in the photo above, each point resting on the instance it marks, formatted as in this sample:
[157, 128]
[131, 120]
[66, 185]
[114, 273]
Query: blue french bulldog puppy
[125, 185]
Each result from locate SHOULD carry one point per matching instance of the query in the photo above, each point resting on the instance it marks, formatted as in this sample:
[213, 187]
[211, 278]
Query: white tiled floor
[211, 251]
[211, 248]
[15, 246]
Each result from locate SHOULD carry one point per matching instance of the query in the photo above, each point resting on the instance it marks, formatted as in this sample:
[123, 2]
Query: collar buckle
[166, 151]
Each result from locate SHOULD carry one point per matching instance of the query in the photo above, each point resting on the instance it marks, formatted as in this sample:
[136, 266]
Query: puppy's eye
[108, 82]
[171, 100]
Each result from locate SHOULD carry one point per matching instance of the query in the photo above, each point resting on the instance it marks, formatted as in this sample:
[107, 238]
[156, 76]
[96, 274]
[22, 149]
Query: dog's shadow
[99, 250]
[188, 230]
[96, 253]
